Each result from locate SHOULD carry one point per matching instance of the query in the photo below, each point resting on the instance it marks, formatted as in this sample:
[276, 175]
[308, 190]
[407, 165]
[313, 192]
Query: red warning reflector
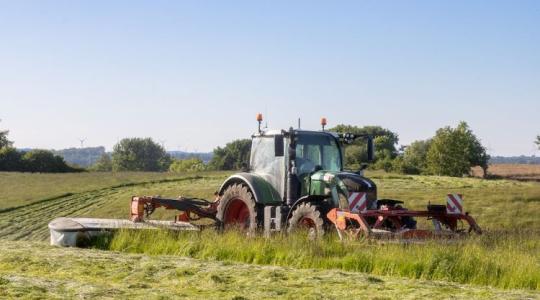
[454, 204]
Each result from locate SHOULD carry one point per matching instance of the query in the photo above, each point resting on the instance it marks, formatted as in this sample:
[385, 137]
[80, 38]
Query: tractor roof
[272, 132]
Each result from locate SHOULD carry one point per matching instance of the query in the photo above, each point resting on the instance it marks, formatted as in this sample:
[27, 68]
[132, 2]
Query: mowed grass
[24, 188]
[29, 221]
[31, 270]
[505, 257]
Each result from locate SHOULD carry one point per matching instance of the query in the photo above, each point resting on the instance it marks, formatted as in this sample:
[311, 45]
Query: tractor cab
[303, 165]
[317, 151]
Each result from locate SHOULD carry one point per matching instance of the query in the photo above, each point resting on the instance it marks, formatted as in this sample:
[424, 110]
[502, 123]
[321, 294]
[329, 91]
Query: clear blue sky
[194, 73]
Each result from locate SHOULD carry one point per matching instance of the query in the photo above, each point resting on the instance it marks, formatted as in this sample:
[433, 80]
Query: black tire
[307, 216]
[237, 208]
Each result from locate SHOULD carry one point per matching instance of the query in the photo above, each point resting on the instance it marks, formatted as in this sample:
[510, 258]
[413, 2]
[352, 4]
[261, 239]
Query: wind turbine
[82, 142]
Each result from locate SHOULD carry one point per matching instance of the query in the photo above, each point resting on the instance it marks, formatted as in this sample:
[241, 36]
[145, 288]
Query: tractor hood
[342, 184]
[353, 181]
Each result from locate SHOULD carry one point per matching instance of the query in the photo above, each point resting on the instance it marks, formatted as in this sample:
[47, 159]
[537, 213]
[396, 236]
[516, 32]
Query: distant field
[512, 171]
[24, 188]
[498, 205]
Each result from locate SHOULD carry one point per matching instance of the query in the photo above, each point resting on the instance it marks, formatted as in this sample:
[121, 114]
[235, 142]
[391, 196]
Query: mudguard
[262, 190]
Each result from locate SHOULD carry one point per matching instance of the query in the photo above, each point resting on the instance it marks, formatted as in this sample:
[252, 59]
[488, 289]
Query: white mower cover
[67, 231]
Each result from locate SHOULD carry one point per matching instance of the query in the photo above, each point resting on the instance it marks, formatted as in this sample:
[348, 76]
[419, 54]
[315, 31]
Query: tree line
[37, 160]
[452, 151]
[143, 154]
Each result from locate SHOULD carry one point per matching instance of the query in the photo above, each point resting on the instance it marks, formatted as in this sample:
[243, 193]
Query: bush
[45, 162]
[385, 145]
[385, 163]
[353, 156]
[104, 164]
[187, 165]
[232, 156]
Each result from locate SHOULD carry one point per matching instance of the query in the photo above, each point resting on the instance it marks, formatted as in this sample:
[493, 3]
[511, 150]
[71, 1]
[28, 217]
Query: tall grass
[504, 260]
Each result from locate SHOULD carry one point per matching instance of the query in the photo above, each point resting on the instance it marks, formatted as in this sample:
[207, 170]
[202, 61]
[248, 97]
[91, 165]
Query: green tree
[453, 151]
[4, 142]
[104, 164]
[139, 154]
[354, 156]
[231, 157]
[11, 159]
[477, 153]
[414, 159]
[187, 165]
[45, 161]
[385, 145]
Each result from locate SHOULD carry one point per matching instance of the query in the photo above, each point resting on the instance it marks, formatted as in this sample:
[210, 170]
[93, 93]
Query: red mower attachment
[390, 220]
[191, 209]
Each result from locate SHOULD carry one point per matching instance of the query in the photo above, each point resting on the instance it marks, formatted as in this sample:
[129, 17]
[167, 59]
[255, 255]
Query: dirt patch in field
[520, 172]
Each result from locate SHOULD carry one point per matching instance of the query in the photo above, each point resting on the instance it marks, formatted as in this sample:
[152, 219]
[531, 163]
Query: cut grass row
[18, 188]
[30, 270]
[29, 221]
[509, 260]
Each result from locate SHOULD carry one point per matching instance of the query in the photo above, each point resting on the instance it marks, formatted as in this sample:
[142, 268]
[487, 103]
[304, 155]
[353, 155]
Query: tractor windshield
[317, 151]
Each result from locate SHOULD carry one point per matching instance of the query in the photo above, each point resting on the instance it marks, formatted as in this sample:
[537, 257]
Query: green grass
[24, 188]
[505, 260]
[29, 221]
[30, 270]
[506, 257]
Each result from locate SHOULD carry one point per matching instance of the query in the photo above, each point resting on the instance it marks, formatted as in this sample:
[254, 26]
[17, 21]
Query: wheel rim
[309, 226]
[237, 214]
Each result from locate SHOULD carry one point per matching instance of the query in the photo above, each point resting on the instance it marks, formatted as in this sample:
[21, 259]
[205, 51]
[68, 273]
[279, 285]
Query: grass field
[498, 259]
[24, 188]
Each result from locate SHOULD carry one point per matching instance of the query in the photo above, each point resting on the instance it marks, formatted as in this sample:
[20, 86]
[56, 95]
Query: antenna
[266, 114]
[82, 142]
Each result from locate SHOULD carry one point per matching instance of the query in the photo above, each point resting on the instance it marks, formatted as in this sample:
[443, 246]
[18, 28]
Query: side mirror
[278, 145]
[370, 149]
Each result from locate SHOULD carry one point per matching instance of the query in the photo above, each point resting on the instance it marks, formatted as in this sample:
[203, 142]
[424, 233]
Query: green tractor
[295, 178]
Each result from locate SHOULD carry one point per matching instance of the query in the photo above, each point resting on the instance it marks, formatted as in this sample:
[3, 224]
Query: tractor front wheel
[307, 217]
[237, 209]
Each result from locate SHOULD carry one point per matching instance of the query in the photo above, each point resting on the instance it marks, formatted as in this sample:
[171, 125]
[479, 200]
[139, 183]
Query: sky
[193, 74]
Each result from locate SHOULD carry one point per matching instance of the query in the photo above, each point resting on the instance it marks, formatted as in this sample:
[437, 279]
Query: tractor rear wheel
[236, 209]
[308, 217]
